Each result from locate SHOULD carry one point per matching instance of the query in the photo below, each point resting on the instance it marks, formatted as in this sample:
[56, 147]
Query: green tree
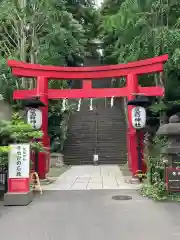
[16, 131]
[144, 29]
[47, 32]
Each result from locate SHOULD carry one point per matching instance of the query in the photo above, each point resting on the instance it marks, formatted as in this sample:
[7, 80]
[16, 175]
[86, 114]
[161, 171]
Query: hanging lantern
[34, 118]
[138, 117]
[34, 114]
[138, 113]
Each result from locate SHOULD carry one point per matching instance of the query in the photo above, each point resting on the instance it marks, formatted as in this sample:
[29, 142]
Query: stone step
[110, 126]
[73, 158]
[80, 142]
[94, 141]
[96, 148]
[96, 151]
[88, 162]
[97, 132]
[91, 153]
[104, 159]
[115, 123]
[112, 135]
[101, 122]
[91, 158]
[92, 130]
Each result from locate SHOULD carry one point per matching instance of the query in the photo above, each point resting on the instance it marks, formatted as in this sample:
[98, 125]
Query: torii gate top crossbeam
[130, 71]
[97, 72]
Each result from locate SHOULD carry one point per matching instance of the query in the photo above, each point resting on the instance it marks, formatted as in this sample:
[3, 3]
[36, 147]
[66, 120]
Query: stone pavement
[91, 177]
[90, 215]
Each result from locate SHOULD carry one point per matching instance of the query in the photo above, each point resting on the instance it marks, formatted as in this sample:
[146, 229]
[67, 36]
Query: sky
[98, 2]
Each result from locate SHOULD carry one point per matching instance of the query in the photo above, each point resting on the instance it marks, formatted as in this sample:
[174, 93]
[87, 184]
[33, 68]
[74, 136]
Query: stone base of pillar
[18, 199]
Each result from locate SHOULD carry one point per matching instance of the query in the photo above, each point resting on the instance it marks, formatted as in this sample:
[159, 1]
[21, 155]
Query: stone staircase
[101, 131]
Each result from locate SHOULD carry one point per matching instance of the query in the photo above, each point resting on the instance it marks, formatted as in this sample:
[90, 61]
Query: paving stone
[95, 186]
[90, 177]
[79, 186]
[83, 179]
[110, 186]
[96, 180]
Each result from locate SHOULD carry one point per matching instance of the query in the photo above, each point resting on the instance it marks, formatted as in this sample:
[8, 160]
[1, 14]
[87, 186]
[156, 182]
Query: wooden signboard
[19, 165]
[175, 161]
[173, 179]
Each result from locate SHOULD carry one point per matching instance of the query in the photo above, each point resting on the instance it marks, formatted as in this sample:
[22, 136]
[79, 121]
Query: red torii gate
[131, 71]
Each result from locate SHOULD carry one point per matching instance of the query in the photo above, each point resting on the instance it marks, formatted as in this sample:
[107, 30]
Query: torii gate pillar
[131, 71]
[44, 157]
[132, 85]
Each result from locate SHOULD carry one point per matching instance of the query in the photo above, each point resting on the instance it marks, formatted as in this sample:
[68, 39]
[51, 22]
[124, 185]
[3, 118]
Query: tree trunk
[22, 4]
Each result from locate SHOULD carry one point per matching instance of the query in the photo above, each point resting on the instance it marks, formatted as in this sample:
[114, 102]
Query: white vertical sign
[19, 161]
[34, 117]
[138, 117]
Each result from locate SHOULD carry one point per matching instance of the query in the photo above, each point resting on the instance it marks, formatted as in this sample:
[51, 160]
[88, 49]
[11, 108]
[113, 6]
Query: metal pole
[139, 150]
[95, 155]
[36, 168]
[6, 181]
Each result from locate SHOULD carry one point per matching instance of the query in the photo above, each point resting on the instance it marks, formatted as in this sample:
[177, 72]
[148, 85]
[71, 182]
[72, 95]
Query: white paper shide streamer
[64, 105]
[112, 101]
[105, 102]
[91, 106]
[79, 105]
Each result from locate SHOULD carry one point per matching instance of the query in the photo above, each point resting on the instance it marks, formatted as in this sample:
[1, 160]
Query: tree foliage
[17, 131]
[138, 29]
[47, 32]
[143, 29]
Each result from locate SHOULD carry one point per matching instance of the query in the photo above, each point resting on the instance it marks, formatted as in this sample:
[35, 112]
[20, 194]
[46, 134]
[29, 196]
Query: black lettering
[18, 174]
[19, 158]
[18, 168]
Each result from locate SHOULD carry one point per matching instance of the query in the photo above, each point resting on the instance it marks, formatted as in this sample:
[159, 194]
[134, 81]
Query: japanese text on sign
[173, 179]
[19, 160]
[18, 163]
[33, 117]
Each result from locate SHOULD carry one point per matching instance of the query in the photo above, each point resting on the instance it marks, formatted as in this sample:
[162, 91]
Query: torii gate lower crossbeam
[130, 71]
